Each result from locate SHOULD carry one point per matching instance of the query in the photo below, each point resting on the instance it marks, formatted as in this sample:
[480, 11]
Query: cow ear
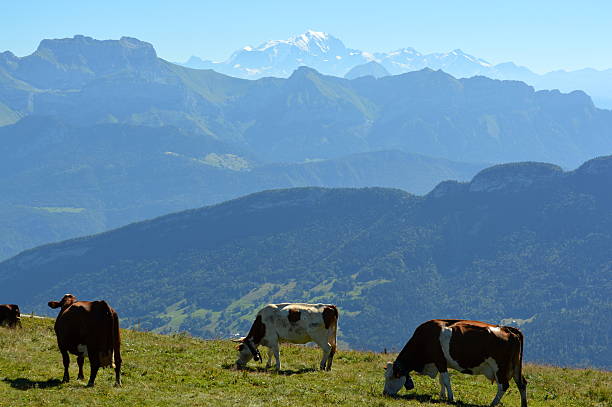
[53, 304]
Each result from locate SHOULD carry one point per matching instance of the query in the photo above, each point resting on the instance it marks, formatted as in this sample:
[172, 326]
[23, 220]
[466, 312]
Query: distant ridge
[371, 68]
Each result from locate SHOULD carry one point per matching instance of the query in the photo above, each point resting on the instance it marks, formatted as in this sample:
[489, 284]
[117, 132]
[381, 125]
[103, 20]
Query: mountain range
[308, 115]
[328, 55]
[99, 134]
[524, 243]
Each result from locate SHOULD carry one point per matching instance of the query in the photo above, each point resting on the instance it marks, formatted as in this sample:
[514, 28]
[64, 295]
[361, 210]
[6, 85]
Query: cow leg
[80, 361]
[442, 387]
[94, 362]
[326, 348]
[330, 360]
[521, 383]
[269, 362]
[66, 361]
[501, 389]
[117, 371]
[117, 351]
[445, 379]
[276, 350]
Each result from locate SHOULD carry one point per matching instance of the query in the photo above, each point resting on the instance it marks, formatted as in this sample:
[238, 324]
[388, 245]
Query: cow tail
[333, 329]
[518, 364]
[106, 350]
[116, 343]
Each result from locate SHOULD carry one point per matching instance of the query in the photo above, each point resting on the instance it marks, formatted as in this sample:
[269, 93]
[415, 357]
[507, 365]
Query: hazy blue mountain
[308, 115]
[522, 242]
[330, 56]
[371, 68]
[61, 181]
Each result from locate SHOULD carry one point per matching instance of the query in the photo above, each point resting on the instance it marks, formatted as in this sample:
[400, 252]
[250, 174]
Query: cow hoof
[118, 384]
[81, 378]
[90, 384]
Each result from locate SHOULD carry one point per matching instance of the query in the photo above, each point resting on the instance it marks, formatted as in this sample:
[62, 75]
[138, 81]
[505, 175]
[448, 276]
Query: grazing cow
[9, 315]
[88, 328]
[294, 323]
[470, 347]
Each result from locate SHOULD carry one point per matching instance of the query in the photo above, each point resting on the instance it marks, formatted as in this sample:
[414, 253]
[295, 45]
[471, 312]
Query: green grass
[58, 209]
[180, 370]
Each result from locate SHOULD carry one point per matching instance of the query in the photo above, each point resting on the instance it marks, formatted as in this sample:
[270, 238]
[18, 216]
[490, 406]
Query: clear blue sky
[543, 35]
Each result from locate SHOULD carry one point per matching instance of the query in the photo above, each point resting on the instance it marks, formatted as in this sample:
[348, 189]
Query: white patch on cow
[392, 384]
[429, 370]
[82, 349]
[495, 330]
[488, 368]
[445, 338]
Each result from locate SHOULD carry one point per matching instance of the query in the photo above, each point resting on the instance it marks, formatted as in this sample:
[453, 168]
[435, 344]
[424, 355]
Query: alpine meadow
[421, 195]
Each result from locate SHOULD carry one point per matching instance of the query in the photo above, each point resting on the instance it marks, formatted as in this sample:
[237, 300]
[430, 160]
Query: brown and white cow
[10, 315]
[88, 328]
[294, 323]
[470, 347]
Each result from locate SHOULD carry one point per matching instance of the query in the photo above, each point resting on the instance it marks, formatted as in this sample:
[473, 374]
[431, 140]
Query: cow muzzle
[254, 351]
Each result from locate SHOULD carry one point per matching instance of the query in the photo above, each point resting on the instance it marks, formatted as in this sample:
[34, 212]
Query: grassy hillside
[180, 370]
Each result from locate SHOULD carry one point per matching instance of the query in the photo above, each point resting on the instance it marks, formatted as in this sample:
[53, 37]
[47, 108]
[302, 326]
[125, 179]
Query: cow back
[89, 323]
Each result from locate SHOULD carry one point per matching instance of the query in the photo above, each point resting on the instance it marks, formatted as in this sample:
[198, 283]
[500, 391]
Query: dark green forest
[524, 244]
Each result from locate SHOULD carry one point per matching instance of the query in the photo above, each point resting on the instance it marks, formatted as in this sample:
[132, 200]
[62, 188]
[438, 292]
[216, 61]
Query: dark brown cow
[10, 315]
[88, 328]
[470, 347]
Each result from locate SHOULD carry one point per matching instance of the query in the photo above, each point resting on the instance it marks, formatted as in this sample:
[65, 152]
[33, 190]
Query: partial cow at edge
[471, 347]
[293, 323]
[88, 328]
[10, 315]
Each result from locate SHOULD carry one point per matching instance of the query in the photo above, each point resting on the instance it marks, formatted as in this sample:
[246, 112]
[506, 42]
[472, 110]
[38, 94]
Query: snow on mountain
[328, 55]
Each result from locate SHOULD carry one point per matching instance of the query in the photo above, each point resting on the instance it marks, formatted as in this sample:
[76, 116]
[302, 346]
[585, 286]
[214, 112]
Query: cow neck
[64, 308]
[406, 357]
[257, 331]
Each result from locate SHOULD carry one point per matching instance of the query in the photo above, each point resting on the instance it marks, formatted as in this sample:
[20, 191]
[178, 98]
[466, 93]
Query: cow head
[16, 314]
[247, 350]
[396, 376]
[66, 301]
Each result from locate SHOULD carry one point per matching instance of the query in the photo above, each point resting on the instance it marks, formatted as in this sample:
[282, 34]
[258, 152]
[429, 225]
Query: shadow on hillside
[428, 398]
[258, 369]
[27, 384]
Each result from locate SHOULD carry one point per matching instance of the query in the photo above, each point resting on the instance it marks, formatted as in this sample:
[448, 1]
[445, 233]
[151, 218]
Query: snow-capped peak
[309, 41]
